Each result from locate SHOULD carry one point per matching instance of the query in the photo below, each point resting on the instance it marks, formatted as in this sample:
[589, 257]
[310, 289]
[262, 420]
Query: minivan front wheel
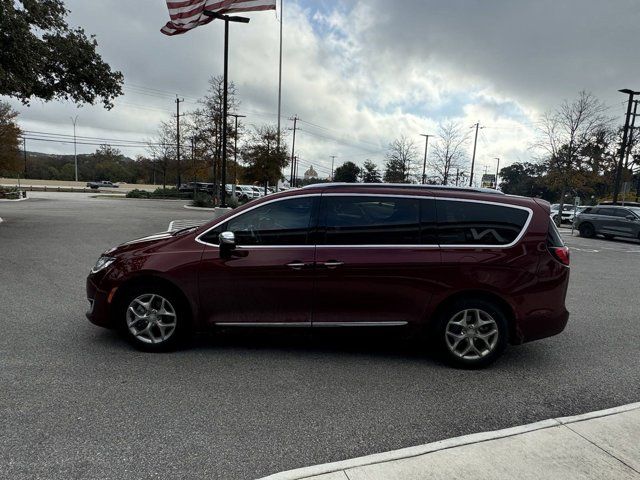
[473, 333]
[152, 319]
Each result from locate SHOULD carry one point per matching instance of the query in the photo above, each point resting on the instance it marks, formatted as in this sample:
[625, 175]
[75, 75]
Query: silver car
[609, 221]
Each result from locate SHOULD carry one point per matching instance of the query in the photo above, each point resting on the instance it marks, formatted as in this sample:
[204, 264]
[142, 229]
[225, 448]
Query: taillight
[561, 254]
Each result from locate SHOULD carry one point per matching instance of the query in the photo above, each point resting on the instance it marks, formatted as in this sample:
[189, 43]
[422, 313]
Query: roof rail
[408, 186]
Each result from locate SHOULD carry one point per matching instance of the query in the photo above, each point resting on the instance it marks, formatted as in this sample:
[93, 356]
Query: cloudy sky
[361, 73]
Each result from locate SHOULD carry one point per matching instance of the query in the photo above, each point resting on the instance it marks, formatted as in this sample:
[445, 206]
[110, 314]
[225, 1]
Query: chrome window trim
[398, 246]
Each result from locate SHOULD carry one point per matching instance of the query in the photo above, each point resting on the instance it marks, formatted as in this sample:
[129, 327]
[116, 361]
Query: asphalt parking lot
[77, 402]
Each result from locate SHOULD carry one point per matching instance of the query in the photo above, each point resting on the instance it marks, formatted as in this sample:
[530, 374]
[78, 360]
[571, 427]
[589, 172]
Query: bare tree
[449, 153]
[208, 125]
[401, 161]
[563, 135]
[162, 148]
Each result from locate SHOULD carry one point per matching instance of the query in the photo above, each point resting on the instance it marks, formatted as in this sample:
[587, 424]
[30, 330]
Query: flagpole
[280, 73]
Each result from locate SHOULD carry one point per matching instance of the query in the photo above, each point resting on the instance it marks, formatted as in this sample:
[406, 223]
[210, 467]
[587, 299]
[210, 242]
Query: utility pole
[333, 159]
[24, 151]
[178, 101]
[473, 158]
[295, 171]
[497, 171]
[75, 149]
[623, 149]
[235, 148]
[424, 164]
[293, 147]
[632, 129]
[457, 175]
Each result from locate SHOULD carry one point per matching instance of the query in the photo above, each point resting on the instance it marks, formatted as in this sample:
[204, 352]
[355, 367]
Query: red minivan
[472, 269]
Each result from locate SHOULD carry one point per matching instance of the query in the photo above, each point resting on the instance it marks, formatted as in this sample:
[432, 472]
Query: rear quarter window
[478, 223]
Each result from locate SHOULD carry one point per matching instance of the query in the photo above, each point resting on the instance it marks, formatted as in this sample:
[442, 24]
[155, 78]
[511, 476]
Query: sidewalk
[599, 445]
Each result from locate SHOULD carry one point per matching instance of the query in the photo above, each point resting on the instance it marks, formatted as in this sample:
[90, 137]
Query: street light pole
[280, 75]
[235, 149]
[424, 164]
[75, 150]
[226, 19]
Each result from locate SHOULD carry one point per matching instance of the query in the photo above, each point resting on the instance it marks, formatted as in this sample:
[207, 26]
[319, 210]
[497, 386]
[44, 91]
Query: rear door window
[478, 223]
[607, 211]
[371, 220]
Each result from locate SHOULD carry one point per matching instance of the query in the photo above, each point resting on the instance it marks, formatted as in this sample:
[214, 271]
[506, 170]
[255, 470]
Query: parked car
[609, 221]
[463, 267]
[568, 212]
[201, 187]
[259, 192]
[246, 193]
[102, 184]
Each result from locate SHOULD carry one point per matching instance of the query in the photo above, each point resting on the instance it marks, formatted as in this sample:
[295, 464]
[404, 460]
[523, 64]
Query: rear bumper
[99, 308]
[541, 324]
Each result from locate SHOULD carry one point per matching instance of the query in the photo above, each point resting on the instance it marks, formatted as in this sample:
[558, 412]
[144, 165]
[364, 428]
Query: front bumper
[99, 312]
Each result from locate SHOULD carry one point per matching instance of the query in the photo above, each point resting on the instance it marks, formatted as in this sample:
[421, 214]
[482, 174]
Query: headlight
[102, 263]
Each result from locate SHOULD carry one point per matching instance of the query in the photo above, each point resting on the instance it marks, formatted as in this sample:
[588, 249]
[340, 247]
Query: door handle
[331, 264]
[296, 265]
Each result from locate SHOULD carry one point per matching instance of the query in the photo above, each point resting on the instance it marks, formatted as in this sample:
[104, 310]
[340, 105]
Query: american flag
[188, 14]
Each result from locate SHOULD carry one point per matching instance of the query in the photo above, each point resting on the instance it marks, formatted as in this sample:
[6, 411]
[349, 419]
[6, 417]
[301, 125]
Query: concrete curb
[13, 199]
[305, 472]
[207, 209]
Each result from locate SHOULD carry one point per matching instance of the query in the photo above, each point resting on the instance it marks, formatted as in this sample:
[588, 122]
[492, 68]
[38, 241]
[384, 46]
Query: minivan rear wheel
[472, 333]
[152, 318]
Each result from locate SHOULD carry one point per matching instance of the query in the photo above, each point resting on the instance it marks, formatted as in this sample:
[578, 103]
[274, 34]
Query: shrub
[203, 200]
[138, 194]
[10, 193]
[167, 193]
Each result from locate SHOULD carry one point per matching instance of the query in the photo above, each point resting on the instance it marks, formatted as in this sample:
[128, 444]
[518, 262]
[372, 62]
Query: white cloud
[364, 72]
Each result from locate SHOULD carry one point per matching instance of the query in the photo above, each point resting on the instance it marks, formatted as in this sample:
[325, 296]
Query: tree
[42, 57]
[207, 125]
[449, 152]
[401, 161]
[370, 173]
[163, 148]
[9, 140]
[347, 172]
[526, 179]
[263, 159]
[563, 135]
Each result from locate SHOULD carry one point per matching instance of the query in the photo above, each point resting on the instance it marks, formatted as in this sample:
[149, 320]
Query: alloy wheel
[151, 318]
[471, 334]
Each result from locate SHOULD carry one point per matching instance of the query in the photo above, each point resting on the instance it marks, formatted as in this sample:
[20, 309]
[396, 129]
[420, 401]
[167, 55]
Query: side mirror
[227, 244]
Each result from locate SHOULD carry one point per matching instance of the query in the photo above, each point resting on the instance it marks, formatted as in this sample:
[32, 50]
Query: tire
[466, 345]
[587, 230]
[143, 324]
